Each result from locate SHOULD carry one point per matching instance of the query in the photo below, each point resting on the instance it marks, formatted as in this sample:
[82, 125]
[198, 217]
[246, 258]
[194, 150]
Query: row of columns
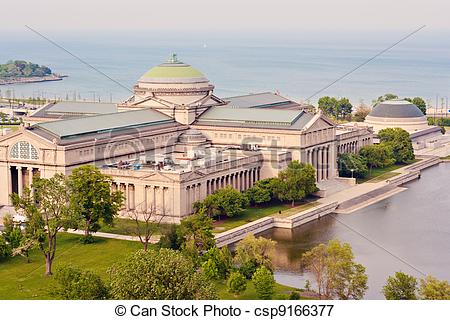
[353, 146]
[155, 197]
[241, 180]
[319, 158]
[24, 178]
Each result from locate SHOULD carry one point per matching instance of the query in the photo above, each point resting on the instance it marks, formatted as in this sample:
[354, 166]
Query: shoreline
[26, 80]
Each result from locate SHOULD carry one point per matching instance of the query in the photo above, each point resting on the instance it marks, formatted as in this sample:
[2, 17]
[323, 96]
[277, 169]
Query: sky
[232, 16]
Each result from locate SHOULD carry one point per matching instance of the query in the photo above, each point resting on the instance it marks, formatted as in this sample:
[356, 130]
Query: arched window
[24, 150]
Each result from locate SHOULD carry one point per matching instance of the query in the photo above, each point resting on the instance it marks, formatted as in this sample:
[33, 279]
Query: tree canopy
[92, 198]
[20, 68]
[401, 286]
[399, 141]
[224, 202]
[336, 273]
[158, 275]
[295, 182]
[350, 161]
[434, 289]
[336, 108]
[264, 283]
[377, 155]
[252, 252]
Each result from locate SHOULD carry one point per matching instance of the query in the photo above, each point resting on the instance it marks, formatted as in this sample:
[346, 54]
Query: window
[24, 150]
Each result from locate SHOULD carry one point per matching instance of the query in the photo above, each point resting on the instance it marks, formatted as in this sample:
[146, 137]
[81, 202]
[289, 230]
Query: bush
[294, 295]
[210, 269]
[264, 283]
[75, 284]
[162, 274]
[5, 249]
[236, 283]
[171, 239]
[222, 259]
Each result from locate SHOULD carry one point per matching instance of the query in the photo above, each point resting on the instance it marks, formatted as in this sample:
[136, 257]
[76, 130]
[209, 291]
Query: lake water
[295, 65]
[413, 225]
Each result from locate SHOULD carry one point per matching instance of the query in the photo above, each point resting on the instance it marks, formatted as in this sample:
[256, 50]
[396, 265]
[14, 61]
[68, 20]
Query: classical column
[310, 156]
[320, 164]
[127, 197]
[19, 181]
[326, 163]
[207, 187]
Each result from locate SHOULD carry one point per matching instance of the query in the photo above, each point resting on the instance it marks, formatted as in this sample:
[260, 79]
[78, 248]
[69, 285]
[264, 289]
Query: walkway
[154, 239]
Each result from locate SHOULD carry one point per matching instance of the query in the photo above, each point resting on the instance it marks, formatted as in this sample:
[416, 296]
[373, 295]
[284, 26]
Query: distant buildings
[173, 142]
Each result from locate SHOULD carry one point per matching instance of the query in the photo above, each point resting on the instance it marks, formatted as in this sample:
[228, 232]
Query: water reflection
[414, 225]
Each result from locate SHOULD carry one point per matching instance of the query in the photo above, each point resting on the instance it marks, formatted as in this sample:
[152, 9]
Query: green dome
[173, 71]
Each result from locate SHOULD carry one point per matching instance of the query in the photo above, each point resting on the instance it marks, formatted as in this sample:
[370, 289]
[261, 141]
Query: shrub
[75, 284]
[236, 283]
[264, 283]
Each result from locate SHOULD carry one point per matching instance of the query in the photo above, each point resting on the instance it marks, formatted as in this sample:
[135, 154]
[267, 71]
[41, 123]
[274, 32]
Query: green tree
[171, 238]
[74, 284]
[377, 156]
[48, 210]
[399, 141]
[336, 273]
[264, 283]
[328, 105]
[385, 97]
[400, 287]
[210, 269]
[262, 191]
[224, 202]
[196, 234]
[296, 182]
[92, 198]
[420, 103]
[158, 275]
[222, 259]
[336, 108]
[350, 161]
[252, 252]
[434, 289]
[5, 249]
[343, 108]
[236, 283]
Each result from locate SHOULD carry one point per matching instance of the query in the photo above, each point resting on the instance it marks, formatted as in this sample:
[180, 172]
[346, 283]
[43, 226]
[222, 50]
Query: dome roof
[192, 136]
[173, 71]
[396, 109]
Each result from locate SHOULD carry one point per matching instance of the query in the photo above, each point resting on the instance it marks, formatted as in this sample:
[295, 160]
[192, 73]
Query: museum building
[173, 142]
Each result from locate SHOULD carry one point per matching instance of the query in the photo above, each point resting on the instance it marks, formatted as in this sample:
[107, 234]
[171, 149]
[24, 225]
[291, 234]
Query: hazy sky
[227, 15]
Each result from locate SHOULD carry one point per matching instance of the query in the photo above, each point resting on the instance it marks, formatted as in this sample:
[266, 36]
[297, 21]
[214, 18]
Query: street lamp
[352, 172]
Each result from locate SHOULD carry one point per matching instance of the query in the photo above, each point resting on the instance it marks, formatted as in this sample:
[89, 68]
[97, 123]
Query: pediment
[319, 122]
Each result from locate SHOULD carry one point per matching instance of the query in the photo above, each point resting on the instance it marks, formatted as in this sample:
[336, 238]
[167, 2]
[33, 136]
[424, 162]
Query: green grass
[128, 227]
[11, 126]
[380, 172]
[281, 292]
[22, 280]
[254, 213]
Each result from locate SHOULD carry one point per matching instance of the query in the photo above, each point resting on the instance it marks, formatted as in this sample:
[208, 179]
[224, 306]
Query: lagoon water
[295, 65]
[414, 226]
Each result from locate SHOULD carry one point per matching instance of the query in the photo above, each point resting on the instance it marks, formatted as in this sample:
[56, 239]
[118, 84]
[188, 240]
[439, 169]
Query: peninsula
[19, 71]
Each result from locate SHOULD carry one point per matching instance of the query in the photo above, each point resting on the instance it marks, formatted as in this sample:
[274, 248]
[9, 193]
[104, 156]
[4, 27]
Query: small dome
[396, 109]
[192, 136]
[173, 71]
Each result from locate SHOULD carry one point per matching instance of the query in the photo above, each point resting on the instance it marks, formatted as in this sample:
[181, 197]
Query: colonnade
[20, 177]
[353, 146]
[320, 158]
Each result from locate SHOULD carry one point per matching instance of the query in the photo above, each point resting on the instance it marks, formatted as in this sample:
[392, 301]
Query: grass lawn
[126, 226]
[255, 213]
[381, 173]
[22, 280]
[281, 292]
[10, 126]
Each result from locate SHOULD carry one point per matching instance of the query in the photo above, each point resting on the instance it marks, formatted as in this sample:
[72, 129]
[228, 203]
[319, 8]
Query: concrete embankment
[345, 201]
[263, 224]
[378, 191]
